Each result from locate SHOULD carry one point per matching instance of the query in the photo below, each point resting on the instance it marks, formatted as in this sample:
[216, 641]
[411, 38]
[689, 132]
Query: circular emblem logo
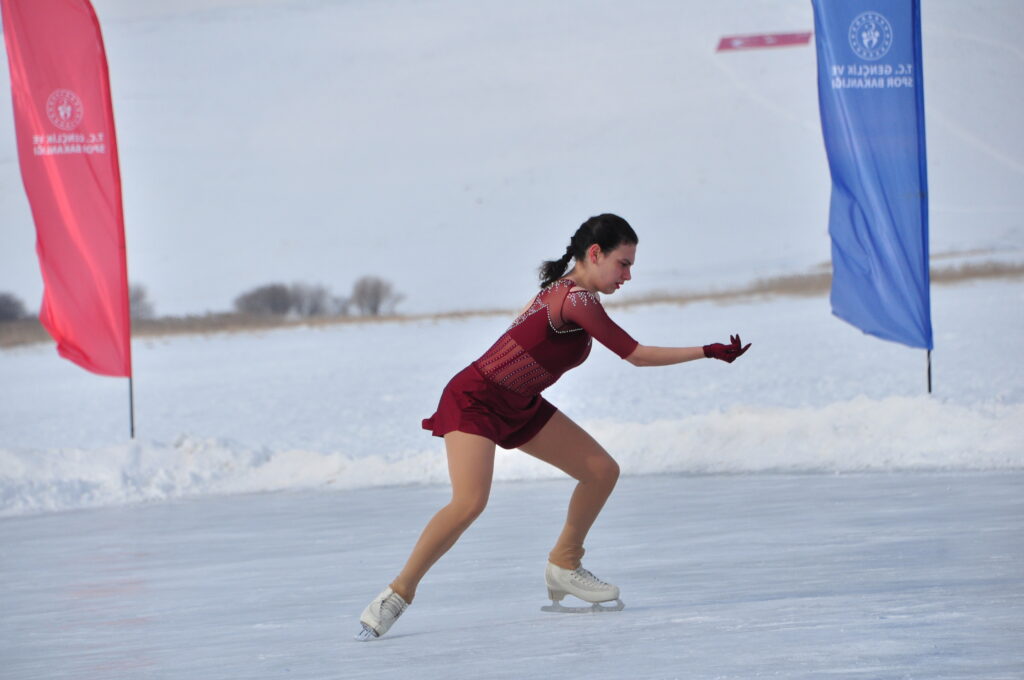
[871, 36]
[64, 109]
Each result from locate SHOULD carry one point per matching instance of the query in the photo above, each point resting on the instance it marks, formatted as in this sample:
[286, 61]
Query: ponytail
[552, 270]
[606, 230]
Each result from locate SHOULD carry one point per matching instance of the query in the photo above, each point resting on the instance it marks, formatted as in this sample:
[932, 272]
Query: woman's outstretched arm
[646, 355]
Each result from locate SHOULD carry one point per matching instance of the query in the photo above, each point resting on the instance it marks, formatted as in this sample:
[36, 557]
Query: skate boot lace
[392, 606]
[587, 579]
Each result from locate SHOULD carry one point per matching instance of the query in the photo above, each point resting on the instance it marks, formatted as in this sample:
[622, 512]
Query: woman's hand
[727, 353]
[645, 355]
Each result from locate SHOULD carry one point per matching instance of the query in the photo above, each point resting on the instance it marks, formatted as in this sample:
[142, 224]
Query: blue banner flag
[870, 91]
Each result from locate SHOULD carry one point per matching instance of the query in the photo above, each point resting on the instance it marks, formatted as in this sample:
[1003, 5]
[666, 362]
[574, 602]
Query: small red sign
[748, 42]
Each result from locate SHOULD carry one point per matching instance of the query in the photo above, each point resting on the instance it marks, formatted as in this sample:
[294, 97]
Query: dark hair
[606, 230]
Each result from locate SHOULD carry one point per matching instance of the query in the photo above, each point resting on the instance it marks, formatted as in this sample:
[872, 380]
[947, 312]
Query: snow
[339, 407]
[806, 512]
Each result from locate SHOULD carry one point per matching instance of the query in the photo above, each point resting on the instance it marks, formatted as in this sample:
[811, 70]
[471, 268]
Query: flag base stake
[929, 371]
[131, 406]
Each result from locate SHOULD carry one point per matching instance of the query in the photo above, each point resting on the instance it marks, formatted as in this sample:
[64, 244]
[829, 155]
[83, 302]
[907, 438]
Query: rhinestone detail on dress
[508, 364]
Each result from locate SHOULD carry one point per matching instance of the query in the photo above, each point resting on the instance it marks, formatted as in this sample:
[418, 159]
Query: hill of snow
[451, 146]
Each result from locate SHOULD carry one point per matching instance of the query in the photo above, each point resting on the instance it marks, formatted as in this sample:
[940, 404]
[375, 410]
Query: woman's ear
[592, 252]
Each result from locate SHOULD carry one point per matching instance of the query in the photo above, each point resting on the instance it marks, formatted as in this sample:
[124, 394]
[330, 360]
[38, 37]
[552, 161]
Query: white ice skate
[381, 614]
[582, 584]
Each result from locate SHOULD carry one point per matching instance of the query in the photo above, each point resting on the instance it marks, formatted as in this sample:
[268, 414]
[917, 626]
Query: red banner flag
[64, 122]
[747, 42]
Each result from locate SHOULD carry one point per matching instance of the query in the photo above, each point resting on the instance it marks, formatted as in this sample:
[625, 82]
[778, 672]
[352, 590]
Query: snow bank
[892, 434]
[340, 407]
[896, 433]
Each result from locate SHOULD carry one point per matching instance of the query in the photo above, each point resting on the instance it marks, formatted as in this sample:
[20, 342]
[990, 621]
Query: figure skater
[496, 401]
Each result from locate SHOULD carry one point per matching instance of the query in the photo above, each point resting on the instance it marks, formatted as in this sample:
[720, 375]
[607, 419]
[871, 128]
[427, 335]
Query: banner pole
[929, 371]
[131, 405]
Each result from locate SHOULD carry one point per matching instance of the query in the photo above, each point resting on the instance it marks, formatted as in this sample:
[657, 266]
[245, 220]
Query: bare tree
[340, 305]
[373, 296]
[11, 308]
[138, 302]
[307, 300]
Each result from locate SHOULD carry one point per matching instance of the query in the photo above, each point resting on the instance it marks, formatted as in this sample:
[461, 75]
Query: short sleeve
[586, 311]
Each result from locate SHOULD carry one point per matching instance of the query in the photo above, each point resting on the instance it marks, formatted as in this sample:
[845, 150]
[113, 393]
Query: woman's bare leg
[568, 447]
[471, 468]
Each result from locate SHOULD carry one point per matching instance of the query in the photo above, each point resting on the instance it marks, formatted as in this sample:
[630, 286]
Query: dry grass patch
[29, 331]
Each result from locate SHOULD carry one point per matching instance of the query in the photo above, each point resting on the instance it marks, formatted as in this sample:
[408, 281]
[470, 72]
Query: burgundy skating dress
[498, 395]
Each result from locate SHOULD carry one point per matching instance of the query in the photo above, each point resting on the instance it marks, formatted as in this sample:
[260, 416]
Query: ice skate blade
[595, 608]
[366, 634]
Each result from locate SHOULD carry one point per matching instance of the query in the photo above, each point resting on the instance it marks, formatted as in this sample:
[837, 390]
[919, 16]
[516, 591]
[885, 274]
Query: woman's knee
[605, 470]
[467, 507]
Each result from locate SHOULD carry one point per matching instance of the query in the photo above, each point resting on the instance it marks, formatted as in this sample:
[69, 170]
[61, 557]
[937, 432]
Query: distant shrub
[139, 304]
[299, 299]
[373, 296]
[272, 300]
[11, 308]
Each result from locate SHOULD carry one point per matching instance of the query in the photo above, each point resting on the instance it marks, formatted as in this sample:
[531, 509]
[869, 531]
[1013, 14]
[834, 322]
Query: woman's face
[612, 269]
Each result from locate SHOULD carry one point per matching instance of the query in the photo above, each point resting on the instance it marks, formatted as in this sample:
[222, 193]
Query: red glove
[726, 353]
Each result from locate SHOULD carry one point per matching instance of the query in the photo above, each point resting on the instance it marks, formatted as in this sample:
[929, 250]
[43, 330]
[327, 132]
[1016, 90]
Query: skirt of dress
[471, 403]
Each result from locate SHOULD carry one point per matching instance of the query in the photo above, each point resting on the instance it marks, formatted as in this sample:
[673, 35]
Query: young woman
[496, 401]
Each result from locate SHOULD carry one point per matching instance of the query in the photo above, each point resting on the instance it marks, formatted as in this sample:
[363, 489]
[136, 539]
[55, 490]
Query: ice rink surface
[899, 575]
